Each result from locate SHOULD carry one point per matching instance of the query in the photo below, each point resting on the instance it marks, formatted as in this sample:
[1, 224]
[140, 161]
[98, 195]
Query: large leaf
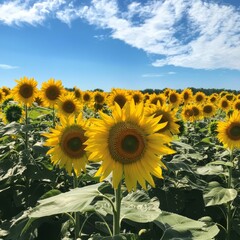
[215, 194]
[78, 199]
[136, 206]
[175, 226]
[210, 170]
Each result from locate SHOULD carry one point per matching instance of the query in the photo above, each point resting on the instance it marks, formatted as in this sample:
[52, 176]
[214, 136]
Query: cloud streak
[7, 67]
[185, 33]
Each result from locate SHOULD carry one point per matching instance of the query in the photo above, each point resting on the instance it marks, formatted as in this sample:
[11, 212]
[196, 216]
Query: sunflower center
[173, 98]
[186, 96]
[237, 106]
[77, 94]
[26, 91]
[196, 111]
[207, 109]
[130, 144]
[120, 100]
[199, 98]
[155, 100]
[136, 98]
[72, 142]
[86, 97]
[234, 131]
[52, 93]
[126, 142]
[99, 98]
[68, 107]
[224, 104]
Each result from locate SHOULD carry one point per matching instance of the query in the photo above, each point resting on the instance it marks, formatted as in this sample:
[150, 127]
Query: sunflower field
[122, 164]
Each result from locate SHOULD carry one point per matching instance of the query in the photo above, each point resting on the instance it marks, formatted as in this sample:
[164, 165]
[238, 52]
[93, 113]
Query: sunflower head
[128, 142]
[68, 105]
[208, 109]
[187, 95]
[51, 91]
[25, 91]
[13, 113]
[67, 145]
[229, 131]
[119, 96]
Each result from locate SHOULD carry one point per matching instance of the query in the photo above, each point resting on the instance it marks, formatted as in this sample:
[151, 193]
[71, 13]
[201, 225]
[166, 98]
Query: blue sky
[121, 44]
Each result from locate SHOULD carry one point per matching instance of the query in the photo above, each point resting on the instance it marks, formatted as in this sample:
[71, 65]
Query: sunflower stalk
[229, 210]
[76, 214]
[116, 213]
[26, 123]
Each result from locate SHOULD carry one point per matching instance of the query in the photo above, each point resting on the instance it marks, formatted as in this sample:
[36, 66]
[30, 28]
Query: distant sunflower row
[126, 130]
[185, 105]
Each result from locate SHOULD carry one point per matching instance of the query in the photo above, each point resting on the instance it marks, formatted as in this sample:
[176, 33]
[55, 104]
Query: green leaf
[215, 194]
[136, 206]
[78, 199]
[219, 162]
[210, 170]
[175, 226]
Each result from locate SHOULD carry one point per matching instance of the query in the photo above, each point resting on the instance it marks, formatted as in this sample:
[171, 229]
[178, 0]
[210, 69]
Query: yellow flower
[13, 113]
[208, 109]
[154, 98]
[67, 144]
[187, 95]
[86, 97]
[51, 91]
[118, 96]
[174, 98]
[137, 96]
[68, 105]
[199, 97]
[168, 116]
[229, 131]
[224, 104]
[128, 145]
[236, 105]
[25, 91]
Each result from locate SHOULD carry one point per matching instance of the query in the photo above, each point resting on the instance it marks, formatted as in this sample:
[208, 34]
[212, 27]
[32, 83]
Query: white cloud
[186, 33]
[31, 12]
[152, 75]
[6, 66]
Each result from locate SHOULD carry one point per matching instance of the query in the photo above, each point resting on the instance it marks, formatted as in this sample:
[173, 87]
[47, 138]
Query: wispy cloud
[186, 33]
[7, 67]
[152, 75]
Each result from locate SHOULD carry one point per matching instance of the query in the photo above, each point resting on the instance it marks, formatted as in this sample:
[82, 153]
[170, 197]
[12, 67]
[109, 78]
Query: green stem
[116, 216]
[26, 123]
[229, 210]
[76, 214]
[53, 110]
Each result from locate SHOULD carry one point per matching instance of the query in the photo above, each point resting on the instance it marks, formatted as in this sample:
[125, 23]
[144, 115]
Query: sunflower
[77, 93]
[213, 97]
[2, 96]
[208, 109]
[191, 112]
[67, 144]
[137, 96]
[154, 98]
[174, 98]
[127, 142]
[187, 95]
[25, 91]
[199, 97]
[230, 97]
[13, 113]
[51, 91]
[168, 116]
[6, 90]
[236, 105]
[68, 105]
[119, 96]
[224, 104]
[229, 131]
[87, 97]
